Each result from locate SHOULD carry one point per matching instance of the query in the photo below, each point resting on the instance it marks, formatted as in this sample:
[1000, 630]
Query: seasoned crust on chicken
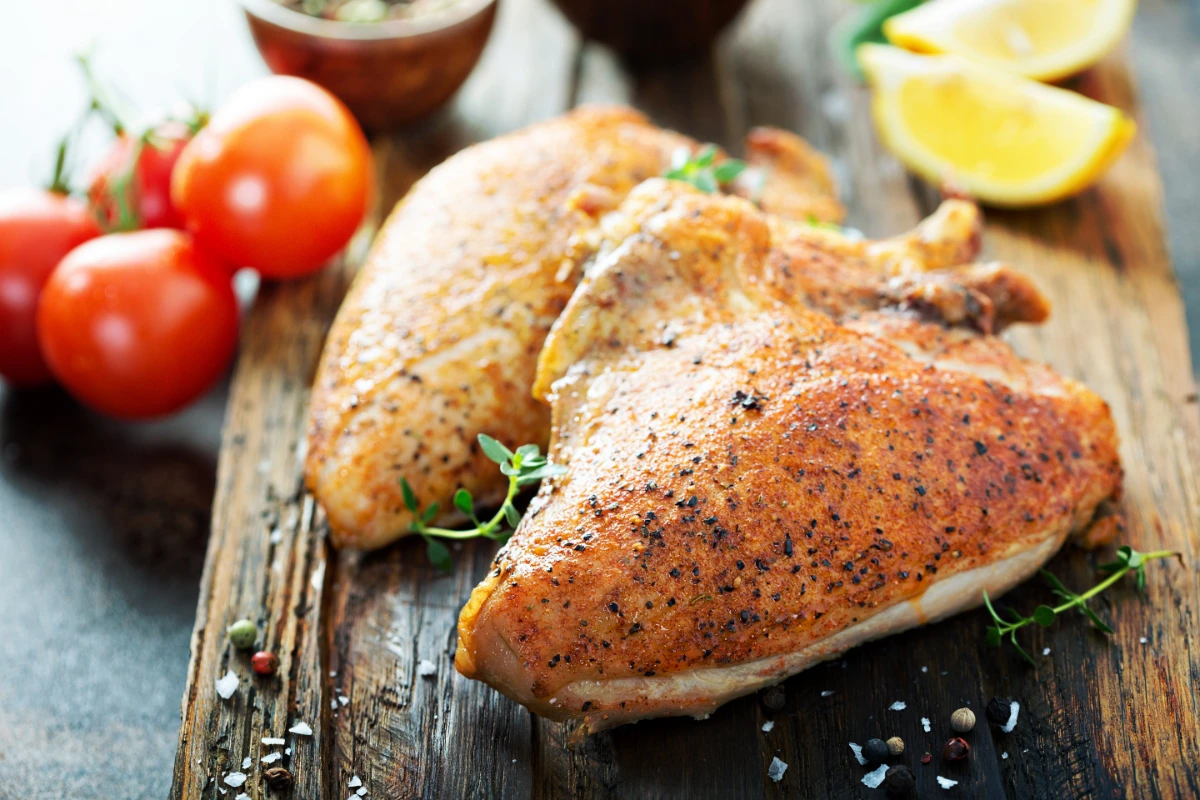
[760, 477]
[438, 338]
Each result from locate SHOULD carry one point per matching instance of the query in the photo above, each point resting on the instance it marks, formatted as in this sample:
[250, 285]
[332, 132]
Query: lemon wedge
[1006, 140]
[1041, 39]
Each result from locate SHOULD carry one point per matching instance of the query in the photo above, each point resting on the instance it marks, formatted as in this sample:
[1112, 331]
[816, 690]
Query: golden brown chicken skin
[438, 339]
[753, 487]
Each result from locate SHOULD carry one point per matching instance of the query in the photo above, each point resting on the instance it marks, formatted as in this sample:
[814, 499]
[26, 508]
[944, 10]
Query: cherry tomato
[37, 228]
[138, 324]
[132, 185]
[279, 179]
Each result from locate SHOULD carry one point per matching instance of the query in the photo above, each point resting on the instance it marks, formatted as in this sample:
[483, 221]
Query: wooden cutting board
[1115, 716]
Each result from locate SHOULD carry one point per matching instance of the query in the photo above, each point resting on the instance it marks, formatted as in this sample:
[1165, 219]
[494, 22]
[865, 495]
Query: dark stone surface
[102, 535]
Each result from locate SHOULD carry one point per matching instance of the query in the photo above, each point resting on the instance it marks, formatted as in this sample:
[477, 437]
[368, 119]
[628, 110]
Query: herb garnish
[527, 465]
[700, 171]
[1128, 560]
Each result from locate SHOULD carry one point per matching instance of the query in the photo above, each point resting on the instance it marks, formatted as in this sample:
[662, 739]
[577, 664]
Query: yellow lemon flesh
[1041, 39]
[1005, 140]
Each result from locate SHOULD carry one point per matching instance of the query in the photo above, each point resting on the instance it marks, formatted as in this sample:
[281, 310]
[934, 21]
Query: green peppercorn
[875, 751]
[899, 781]
[242, 634]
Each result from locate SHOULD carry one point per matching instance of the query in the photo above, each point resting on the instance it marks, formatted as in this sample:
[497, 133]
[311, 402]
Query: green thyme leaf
[410, 498]
[494, 450]
[438, 554]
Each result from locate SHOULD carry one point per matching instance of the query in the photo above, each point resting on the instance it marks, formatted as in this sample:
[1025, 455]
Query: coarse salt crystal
[227, 685]
[362, 792]
[318, 577]
[827, 693]
[287, 751]
[768, 725]
[235, 779]
[1012, 718]
[273, 740]
[875, 777]
[246, 762]
[301, 729]
[1045, 651]
[426, 668]
[1004, 754]
[776, 770]
[1142, 640]
[924, 669]
[242, 796]
[946, 783]
[355, 781]
[857, 748]
[899, 705]
[343, 699]
[271, 758]
[925, 723]
[276, 536]
[333, 704]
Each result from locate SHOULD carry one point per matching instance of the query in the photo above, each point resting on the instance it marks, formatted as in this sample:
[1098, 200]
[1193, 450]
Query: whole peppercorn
[956, 749]
[278, 778]
[242, 634]
[774, 698]
[999, 709]
[962, 720]
[875, 751]
[264, 663]
[895, 745]
[899, 781]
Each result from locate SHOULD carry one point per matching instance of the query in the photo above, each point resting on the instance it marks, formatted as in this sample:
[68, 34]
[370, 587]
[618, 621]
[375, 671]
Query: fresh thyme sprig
[700, 171]
[1128, 560]
[527, 465]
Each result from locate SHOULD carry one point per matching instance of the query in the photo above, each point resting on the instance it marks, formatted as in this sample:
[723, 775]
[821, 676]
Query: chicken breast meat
[780, 444]
[438, 339]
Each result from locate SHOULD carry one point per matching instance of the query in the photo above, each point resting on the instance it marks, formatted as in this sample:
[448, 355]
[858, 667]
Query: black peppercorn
[774, 698]
[999, 709]
[278, 778]
[875, 751]
[899, 781]
[956, 749]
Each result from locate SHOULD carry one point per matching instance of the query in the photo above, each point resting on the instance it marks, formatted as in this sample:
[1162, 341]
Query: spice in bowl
[367, 10]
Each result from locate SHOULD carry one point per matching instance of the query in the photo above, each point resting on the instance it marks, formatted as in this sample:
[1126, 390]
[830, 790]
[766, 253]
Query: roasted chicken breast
[779, 444]
[438, 339]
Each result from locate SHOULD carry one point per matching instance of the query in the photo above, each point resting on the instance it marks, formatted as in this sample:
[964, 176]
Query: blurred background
[103, 523]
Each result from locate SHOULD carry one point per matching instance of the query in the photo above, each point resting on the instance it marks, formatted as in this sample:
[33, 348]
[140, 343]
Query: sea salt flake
[301, 729]
[246, 762]
[1143, 640]
[776, 770]
[235, 779]
[1045, 651]
[925, 723]
[276, 536]
[268, 740]
[362, 792]
[227, 685]
[426, 668]
[946, 783]
[355, 781]
[857, 748]
[343, 699]
[768, 725]
[1012, 718]
[924, 669]
[1004, 754]
[287, 751]
[899, 705]
[875, 777]
[827, 693]
[271, 758]
[242, 796]
[318, 577]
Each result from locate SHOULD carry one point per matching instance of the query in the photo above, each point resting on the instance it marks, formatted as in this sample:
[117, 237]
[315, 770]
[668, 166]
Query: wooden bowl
[652, 31]
[388, 73]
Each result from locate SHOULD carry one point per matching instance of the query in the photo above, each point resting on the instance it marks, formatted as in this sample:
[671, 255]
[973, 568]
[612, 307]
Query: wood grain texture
[1102, 717]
